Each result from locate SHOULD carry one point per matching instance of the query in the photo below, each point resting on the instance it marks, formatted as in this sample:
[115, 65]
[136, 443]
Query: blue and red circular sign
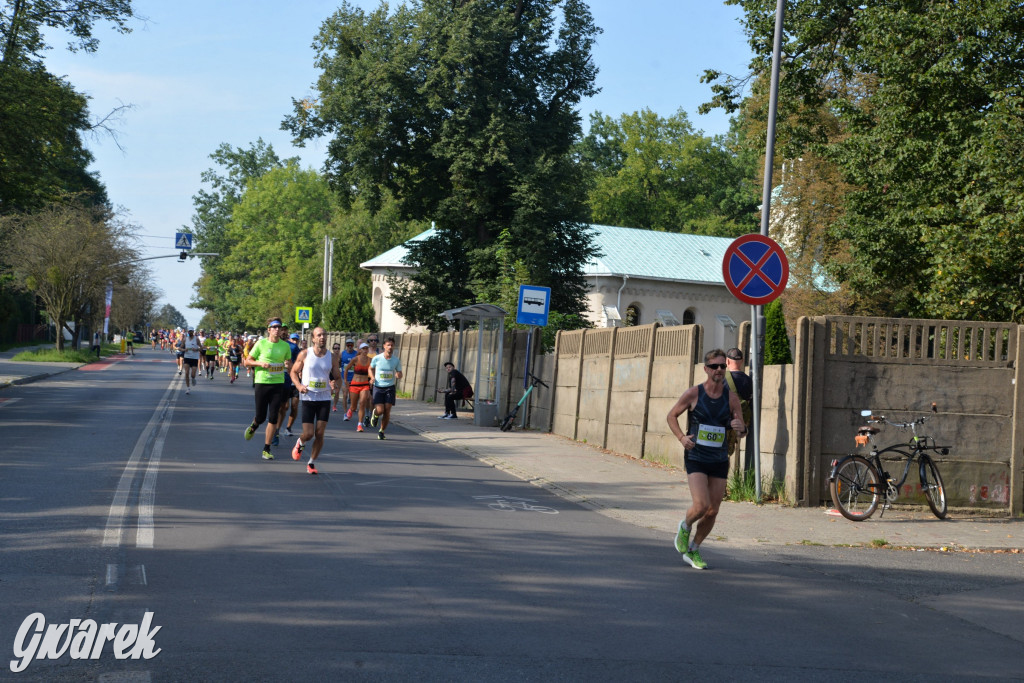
[755, 269]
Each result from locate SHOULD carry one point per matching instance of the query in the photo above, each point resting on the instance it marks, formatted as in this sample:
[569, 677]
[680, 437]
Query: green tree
[929, 111]
[350, 309]
[24, 25]
[659, 174]
[133, 298]
[277, 230]
[70, 283]
[465, 114]
[213, 209]
[169, 318]
[776, 340]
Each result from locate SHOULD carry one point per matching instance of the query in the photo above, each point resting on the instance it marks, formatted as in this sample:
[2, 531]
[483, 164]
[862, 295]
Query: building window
[632, 315]
[689, 316]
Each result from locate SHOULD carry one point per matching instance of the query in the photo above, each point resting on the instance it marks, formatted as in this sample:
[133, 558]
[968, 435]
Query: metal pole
[526, 375]
[766, 203]
[323, 271]
[330, 269]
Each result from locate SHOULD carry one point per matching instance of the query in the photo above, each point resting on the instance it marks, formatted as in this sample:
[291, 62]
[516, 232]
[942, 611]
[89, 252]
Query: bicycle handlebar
[900, 425]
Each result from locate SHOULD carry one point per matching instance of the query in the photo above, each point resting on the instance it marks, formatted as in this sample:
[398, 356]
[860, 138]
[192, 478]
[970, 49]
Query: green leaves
[659, 174]
[462, 114]
[917, 105]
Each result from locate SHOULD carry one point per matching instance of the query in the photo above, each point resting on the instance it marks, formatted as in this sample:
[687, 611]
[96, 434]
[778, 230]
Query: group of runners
[315, 378]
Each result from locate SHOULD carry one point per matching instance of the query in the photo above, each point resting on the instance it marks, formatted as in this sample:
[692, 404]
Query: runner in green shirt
[271, 358]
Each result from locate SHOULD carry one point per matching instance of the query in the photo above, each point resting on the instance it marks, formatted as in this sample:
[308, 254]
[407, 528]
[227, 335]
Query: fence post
[647, 392]
[1017, 435]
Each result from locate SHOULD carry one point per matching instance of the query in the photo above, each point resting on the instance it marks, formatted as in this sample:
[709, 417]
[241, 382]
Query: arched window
[378, 306]
[689, 316]
[632, 315]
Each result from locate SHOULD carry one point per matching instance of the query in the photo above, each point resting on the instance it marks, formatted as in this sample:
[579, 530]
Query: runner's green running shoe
[249, 431]
[374, 418]
[682, 536]
[695, 560]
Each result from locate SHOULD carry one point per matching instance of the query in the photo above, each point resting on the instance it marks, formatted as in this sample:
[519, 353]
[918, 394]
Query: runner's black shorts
[268, 402]
[192, 362]
[383, 395]
[714, 470]
[313, 411]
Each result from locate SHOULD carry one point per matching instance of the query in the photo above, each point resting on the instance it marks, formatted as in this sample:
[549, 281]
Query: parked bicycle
[859, 483]
[506, 424]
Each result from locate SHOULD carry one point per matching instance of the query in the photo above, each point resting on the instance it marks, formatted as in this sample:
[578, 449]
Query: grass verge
[741, 488]
[52, 355]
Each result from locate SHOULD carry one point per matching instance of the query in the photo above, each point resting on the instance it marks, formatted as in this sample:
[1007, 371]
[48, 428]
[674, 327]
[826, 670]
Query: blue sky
[198, 74]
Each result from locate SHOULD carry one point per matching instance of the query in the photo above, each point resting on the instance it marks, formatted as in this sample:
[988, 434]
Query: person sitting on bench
[458, 389]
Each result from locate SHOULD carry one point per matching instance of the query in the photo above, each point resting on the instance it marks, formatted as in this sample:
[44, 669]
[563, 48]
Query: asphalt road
[405, 560]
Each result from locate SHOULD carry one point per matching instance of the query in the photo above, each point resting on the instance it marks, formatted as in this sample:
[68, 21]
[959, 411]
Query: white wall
[706, 302]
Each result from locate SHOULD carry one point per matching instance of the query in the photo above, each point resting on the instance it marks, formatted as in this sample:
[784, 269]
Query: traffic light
[182, 256]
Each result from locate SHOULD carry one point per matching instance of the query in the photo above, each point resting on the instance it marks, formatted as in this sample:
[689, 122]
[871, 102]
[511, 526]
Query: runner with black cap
[270, 357]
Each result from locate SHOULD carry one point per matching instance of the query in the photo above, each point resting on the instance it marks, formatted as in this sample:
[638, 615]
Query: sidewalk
[656, 497]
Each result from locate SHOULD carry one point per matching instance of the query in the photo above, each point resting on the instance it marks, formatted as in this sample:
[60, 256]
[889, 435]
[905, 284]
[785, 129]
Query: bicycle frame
[859, 482]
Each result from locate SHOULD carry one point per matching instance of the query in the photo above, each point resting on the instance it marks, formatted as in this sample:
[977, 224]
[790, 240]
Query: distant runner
[385, 370]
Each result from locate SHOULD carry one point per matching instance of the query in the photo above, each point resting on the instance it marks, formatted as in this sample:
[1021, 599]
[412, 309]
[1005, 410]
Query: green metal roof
[627, 251]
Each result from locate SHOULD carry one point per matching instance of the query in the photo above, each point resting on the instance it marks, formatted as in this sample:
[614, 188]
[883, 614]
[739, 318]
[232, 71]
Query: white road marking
[119, 507]
[147, 496]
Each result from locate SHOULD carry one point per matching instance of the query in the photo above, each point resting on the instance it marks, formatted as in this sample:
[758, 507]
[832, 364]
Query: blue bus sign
[534, 304]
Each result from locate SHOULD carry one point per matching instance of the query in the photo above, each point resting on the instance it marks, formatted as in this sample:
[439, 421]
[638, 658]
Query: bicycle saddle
[867, 429]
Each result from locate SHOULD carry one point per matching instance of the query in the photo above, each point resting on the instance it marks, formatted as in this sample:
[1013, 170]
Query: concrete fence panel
[595, 386]
[676, 350]
[566, 387]
[630, 386]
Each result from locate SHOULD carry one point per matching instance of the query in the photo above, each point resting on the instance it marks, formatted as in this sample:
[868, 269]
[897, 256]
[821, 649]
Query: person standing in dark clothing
[740, 384]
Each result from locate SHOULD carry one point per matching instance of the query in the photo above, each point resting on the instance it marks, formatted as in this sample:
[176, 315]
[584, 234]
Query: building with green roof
[639, 277]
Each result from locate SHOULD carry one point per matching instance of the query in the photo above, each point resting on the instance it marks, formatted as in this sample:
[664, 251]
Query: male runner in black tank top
[713, 410]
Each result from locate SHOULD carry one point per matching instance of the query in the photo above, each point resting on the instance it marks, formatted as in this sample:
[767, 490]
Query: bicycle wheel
[931, 485]
[855, 488]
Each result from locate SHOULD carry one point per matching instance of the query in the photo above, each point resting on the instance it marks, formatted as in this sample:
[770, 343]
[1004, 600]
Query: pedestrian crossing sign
[182, 240]
[303, 314]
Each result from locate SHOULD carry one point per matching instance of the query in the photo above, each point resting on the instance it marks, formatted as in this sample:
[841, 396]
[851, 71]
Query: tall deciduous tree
[277, 230]
[659, 173]
[66, 253]
[169, 318]
[465, 113]
[213, 207]
[928, 98]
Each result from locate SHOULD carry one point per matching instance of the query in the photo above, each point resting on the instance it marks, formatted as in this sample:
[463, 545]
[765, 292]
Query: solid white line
[147, 496]
[119, 507]
[111, 574]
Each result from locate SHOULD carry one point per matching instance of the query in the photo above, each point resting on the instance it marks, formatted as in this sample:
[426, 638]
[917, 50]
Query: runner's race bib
[710, 435]
[276, 369]
[385, 376]
[317, 384]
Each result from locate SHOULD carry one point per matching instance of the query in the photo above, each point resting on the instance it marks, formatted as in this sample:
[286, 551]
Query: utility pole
[757, 312]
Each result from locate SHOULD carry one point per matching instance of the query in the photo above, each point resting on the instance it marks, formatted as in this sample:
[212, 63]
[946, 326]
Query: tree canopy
[918, 106]
[464, 114]
[659, 173]
[66, 254]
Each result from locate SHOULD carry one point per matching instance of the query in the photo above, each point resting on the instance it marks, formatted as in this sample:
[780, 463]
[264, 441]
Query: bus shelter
[490, 320]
